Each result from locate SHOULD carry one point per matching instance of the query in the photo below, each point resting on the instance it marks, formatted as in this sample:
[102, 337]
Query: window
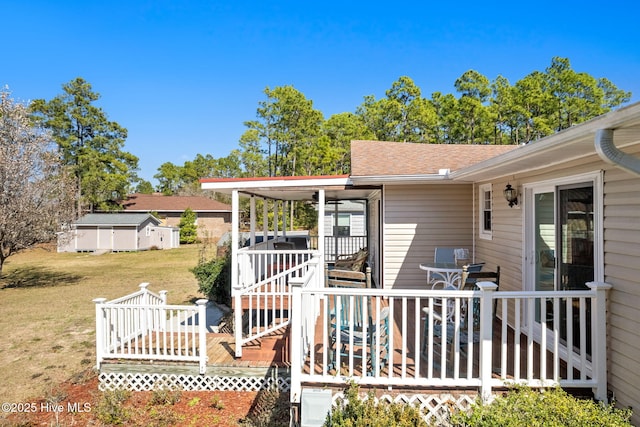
[147, 231]
[485, 212]
[342, 226]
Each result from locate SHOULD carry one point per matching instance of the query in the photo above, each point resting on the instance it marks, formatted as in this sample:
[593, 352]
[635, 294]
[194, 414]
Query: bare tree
[36, 196]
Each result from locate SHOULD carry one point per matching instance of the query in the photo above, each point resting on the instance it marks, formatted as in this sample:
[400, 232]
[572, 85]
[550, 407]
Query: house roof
[158, 202]
[134, 219]
[560, 148]
[383, 158]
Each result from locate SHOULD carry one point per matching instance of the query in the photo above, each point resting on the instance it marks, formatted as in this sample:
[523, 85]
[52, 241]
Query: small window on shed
[485, 211]
[147, 231]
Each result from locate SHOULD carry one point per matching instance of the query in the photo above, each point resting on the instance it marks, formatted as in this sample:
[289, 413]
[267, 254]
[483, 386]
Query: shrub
[214, 278]
[523, 406]
[188, 227]
[357, 412]
[165, 396]
[111, 410]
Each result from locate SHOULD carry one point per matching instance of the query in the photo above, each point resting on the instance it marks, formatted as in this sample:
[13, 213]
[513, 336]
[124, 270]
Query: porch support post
[599, 347]
[100, 331]
[486, 337]
[276, 218]
[321, 201]
[285, 205]
[235, 279]
[252, 221]
[296, 340]
[202, 334]
[265, 221]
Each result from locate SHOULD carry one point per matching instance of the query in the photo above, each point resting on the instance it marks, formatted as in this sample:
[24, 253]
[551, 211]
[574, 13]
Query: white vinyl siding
[417, 219]
[621, 224]
[622, 270]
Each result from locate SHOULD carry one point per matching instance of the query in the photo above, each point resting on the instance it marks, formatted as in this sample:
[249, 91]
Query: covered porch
[527, 337]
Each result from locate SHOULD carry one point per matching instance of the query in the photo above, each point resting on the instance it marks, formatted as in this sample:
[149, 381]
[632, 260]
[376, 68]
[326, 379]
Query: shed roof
[382, 158]
[131, 219]
[158, 202]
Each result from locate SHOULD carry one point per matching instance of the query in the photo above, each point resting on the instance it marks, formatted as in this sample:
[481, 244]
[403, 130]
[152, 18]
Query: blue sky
[183, 77]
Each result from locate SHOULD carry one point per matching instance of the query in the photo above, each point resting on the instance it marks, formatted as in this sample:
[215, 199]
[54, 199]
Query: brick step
[274, 349]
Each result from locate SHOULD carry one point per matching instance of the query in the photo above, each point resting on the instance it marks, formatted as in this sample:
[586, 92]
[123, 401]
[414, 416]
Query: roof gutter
[607, 150]
[443, 175]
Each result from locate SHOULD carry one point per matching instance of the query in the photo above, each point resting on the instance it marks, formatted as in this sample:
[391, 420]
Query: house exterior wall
[417, 219]
[211, 225]
[621, 226]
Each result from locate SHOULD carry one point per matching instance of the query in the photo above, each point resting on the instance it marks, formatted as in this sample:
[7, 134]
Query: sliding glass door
[561, 226]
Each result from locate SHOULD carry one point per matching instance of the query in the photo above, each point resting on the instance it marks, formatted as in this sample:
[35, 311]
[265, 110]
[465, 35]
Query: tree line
[63, 157]
[290, 137]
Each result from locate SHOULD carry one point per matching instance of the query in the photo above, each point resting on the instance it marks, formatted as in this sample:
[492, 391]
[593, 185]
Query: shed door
[105, 238]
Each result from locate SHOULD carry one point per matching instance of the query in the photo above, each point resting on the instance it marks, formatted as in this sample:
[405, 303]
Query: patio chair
[375, 339]
[348, 278]
[444, 255]
[471, 277]
[447, 319]
[353, 262]
[468, 271]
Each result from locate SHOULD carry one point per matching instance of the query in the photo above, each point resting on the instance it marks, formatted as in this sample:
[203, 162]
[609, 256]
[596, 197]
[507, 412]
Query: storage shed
[117, 232]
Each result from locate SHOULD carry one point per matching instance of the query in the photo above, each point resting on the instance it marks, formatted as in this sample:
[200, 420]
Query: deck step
[273, 348]
[264, 303]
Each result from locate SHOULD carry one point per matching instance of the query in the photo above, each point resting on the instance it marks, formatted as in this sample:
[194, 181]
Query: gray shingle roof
[115, 219]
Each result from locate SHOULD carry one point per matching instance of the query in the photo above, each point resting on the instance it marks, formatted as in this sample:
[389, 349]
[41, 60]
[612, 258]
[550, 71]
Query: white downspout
[607, 150]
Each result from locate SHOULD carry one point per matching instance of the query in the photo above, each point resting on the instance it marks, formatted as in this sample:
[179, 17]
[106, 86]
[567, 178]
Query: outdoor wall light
[511, 195]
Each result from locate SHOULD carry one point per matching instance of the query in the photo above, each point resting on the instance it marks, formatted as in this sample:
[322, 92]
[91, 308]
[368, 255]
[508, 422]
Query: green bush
[523, 406]
[214, 278]
[111, 410]
[356, 412]
[188, 227]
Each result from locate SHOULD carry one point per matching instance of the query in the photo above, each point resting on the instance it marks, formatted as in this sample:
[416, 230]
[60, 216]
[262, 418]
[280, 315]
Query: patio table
[443, 274]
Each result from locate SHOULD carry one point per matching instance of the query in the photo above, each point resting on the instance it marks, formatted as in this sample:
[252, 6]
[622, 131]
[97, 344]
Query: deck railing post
[296, 340]
[100, 331]
[486, 337]
[202, 333]
[145, 292]
[163, 320]
[599, 337]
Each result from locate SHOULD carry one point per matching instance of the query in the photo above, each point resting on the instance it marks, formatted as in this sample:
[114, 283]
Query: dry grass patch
[48, 317]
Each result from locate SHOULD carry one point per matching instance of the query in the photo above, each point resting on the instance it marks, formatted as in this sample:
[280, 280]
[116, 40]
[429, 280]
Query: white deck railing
[263, 294]
[526, 341]
[141, 326]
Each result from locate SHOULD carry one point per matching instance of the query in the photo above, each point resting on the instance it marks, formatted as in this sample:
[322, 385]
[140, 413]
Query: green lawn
[48, 317]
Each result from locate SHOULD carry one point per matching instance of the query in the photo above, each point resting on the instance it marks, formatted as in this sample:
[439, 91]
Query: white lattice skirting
[150, 382]
[433, 407]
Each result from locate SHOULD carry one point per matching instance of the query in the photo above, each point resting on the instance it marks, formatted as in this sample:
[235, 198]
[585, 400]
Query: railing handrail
[151, 297]
[126, 327]
[521, 308]
[448, 292]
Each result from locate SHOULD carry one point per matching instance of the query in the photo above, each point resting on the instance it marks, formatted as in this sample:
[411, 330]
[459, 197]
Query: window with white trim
[485, 220]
